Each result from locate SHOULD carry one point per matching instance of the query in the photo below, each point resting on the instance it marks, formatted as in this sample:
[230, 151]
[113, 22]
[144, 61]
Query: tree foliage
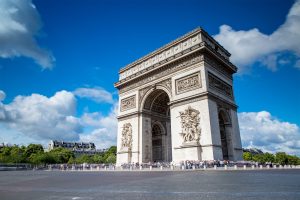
[35, 154]
[280, 158]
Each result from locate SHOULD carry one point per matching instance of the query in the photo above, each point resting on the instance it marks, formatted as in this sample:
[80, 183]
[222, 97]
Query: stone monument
[177, 104]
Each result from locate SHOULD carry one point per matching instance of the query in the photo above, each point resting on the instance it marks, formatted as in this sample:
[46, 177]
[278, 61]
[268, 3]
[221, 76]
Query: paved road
[46, 185]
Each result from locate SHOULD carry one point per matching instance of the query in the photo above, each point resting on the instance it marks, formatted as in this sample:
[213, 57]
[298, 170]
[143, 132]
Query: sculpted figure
[190, 121]
[127, 136]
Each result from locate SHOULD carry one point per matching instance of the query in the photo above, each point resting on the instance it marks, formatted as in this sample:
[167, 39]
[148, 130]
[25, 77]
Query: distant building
[76, 147]
[253, 151]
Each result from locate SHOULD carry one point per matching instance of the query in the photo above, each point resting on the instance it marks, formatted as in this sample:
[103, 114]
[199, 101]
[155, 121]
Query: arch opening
[223, 121]
[157, 112]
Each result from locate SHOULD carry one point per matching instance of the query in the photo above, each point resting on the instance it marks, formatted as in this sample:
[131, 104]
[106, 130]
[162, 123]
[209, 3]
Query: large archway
[157, 109]
[223, 122]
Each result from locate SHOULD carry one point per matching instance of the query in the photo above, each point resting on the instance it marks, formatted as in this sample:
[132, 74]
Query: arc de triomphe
[177, 103]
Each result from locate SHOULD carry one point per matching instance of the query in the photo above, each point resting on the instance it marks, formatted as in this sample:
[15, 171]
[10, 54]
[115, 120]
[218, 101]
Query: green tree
[281, 158]
[259, 158]
[72, 161]
[17, 155]
[112, 150]
[98, 158]
[61, 155]
[268, 157]
[293, 160]
[5, 154]
[84, 159]
[33, 149]
[111, 159]
[247, 156]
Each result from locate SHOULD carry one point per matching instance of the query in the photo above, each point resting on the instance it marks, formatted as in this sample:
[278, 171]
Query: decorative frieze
[190, 121]
[126, 143]
[217, 84]
[180, 47]
[188, 83]
[128, 103]
[167, 70]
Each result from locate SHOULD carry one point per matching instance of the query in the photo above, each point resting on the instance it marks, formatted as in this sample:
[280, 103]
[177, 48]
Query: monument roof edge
[193, 32]
[172, 43]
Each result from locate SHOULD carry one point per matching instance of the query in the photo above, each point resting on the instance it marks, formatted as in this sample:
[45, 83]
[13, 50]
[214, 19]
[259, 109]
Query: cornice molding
[189, 42]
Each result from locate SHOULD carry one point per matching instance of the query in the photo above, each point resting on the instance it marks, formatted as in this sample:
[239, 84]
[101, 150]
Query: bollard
[193, 167]
[141, 168]
[98, 168]
[268, 166]
[280, 166]
[260, 166]
[215, 167]
[182, 167]
[130, 168]
[274, 166]
[161, 167]
[245, 167]
[204, 167]
[172, 167]
[105, 168]
[225, 167]
[150, 167]
[253, 166]
[235, 167]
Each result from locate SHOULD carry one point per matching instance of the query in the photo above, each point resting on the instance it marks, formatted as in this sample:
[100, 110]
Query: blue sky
[59, 60]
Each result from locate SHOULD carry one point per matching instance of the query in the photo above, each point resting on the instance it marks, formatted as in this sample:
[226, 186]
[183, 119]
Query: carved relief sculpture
[190, 121]
[128, 103]
[126, 137]
[188, 83]
[219, 85]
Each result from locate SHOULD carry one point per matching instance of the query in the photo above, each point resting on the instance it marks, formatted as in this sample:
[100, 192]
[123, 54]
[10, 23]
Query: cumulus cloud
[20, 23]
[97, 94]
[37, 118]
[104, 133]
[250, 46]
[40, 117]
[2, 95]
[263, 131]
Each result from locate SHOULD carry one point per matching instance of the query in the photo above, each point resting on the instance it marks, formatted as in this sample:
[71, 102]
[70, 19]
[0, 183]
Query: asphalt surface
[135, 185]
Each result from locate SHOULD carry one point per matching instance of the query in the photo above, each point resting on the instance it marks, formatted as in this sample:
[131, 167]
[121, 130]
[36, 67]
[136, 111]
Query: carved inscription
[190, 121]
[188, 83]
[128, 103]
[217, 84]
[126, 137]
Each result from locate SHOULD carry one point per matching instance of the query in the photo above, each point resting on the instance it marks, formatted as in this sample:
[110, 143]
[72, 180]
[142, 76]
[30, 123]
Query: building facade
[177, 103]
[76, 147]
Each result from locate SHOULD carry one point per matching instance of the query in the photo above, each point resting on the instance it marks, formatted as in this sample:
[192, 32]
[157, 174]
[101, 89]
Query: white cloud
[248, 47]
[20, 23]
[2, 95]
[40, 117]
[263, 131]
[105, 129]
[97, 94]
